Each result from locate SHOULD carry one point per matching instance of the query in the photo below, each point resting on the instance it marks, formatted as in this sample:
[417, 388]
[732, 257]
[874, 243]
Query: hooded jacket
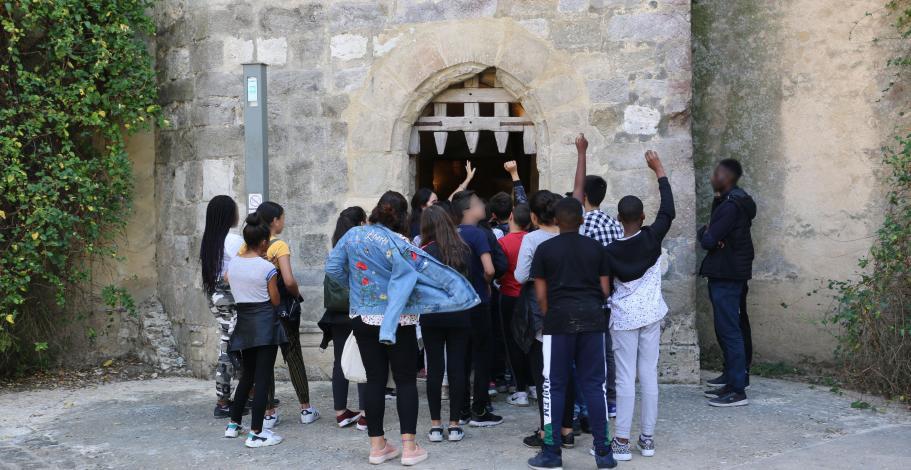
[727, 237]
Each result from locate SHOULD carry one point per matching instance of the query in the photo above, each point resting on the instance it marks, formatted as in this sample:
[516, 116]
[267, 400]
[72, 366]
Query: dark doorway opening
[443, 173]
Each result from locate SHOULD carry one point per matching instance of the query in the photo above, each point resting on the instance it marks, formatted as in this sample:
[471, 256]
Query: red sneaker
[347, 418]
[362, 423]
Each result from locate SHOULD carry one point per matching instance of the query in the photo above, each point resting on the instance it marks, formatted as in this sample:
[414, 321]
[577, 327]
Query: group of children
[573, 294]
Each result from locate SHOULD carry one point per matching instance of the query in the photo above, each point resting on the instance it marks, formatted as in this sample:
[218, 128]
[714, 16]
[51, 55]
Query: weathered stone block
[421, 11]
[640, 120]
[357, 15]
[584, 33]
[644, 27]
[572, 6]
[217, 111]
[610, 91]
[218, 177]
[228, 85]
[280, 21]
[219, 141]
[177, 63]
[177, 90]
[272, 51]
[348, 46]
[237, 51]
[537, 26]
[206, 55]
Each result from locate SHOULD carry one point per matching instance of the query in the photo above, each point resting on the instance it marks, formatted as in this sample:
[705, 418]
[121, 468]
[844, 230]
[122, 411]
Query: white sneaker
[270, 422]
[263, 439]
[233, 430]
[518, 399]
[455, 433]
[532, 393]
[435, 434]
[309, 415]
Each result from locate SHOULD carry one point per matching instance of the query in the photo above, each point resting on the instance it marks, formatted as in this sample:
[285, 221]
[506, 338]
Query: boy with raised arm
[637, 308]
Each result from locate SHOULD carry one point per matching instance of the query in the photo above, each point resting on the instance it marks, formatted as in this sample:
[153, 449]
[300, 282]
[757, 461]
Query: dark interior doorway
[444, 173]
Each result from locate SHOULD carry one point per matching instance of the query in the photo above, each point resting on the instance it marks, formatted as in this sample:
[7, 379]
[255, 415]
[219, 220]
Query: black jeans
[744, 329]
[378, 358]
[340, 334]
[454, 343]
[258, 365]
[536, 362]
[518, 360]
[480, 359]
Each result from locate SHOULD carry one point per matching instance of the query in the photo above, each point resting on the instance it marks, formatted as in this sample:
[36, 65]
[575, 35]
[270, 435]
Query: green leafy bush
[75, 79]
[874, 311]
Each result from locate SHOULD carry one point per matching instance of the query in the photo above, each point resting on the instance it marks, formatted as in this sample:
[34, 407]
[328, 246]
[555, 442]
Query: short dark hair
[521, 215]
[732, 166]
[595, 188]
[542, 204]
[500, 205]
[568, 212]
[461, 201]
[629, 209]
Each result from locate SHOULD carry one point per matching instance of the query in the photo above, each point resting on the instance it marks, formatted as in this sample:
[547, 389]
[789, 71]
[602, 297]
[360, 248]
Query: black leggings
[454, 343]
[258, 366]
[536, 362]
[517, 359]
[339, 382]
[378, 358]
[480, 355]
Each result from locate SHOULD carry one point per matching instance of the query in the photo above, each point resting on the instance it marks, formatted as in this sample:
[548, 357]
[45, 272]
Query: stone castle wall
[347, 78]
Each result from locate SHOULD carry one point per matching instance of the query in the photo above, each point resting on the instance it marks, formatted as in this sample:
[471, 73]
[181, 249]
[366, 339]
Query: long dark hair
[437, 227]
[221, 215]
[349, 218]
[391, 211]
[269, 211]
[418, 201]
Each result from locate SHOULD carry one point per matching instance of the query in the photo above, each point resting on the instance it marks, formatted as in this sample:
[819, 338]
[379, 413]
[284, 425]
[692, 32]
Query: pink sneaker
[414, 457]
[379, 456]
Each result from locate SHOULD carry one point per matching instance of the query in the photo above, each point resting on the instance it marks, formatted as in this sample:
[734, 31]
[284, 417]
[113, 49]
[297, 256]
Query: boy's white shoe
[233, 430]
[271, 421]
[518, 399]
[309, 415]
[262, 439]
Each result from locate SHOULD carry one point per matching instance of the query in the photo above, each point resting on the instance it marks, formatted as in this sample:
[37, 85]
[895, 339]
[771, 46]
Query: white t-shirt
[233, 242]
[527, 250]
[249, 279]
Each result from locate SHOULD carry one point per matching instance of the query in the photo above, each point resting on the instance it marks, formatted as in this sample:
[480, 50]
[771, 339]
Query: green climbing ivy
[874, 311]
[76, 78]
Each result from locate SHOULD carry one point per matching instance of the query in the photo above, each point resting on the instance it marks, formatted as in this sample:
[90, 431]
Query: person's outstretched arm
[469, 174]
[579, 180]
[666, 212]
[518, 189]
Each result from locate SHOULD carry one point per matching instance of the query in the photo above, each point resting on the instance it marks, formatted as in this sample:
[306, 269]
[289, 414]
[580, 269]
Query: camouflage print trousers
[221, 304]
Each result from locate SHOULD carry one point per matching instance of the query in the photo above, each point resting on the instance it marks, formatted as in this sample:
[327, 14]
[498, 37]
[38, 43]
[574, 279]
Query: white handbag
[352, 365]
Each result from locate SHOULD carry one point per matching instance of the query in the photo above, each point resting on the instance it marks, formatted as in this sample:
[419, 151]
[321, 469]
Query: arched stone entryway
[426, 60]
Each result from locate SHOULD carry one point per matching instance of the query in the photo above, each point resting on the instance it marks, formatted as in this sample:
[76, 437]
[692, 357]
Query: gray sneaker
[620, 450]
[646, 446]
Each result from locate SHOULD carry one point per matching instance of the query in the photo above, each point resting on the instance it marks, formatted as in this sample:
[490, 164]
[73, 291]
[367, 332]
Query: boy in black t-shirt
[572, 283]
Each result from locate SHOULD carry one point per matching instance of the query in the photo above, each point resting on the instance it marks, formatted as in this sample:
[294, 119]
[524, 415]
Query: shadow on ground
[167, 424]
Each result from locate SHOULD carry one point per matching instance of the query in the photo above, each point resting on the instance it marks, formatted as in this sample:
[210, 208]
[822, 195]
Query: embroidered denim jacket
[388, 276]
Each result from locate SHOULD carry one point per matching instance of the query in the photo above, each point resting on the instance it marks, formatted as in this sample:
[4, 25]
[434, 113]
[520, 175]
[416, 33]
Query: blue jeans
[725, 296]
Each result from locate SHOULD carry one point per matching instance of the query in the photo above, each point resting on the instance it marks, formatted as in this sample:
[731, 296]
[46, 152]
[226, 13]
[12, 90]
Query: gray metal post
[256, 135]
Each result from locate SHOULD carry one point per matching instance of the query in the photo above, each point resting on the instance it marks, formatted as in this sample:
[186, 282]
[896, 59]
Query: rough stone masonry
[348, 78]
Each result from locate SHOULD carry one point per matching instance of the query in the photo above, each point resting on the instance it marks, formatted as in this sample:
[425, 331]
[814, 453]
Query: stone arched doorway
[476, 121]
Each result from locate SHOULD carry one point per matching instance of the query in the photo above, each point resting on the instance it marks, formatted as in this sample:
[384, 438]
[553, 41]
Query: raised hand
[512, 168]
[653, 162]
[581, 143]
[469, 173]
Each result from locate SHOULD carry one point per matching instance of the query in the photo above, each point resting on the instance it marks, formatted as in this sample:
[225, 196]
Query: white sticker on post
[253, 202]
[252, 92]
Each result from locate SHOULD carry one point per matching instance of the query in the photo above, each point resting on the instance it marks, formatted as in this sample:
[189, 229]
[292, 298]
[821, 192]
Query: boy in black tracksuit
[571, 284]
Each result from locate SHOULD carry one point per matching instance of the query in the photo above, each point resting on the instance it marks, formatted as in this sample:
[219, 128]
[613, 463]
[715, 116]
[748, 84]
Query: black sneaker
[465, 418]
[577, 427]
[568, 441]
[716, 392]
[485, 420]
[730, 399]
[719, 381]
[534, 441]
[224, 411]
